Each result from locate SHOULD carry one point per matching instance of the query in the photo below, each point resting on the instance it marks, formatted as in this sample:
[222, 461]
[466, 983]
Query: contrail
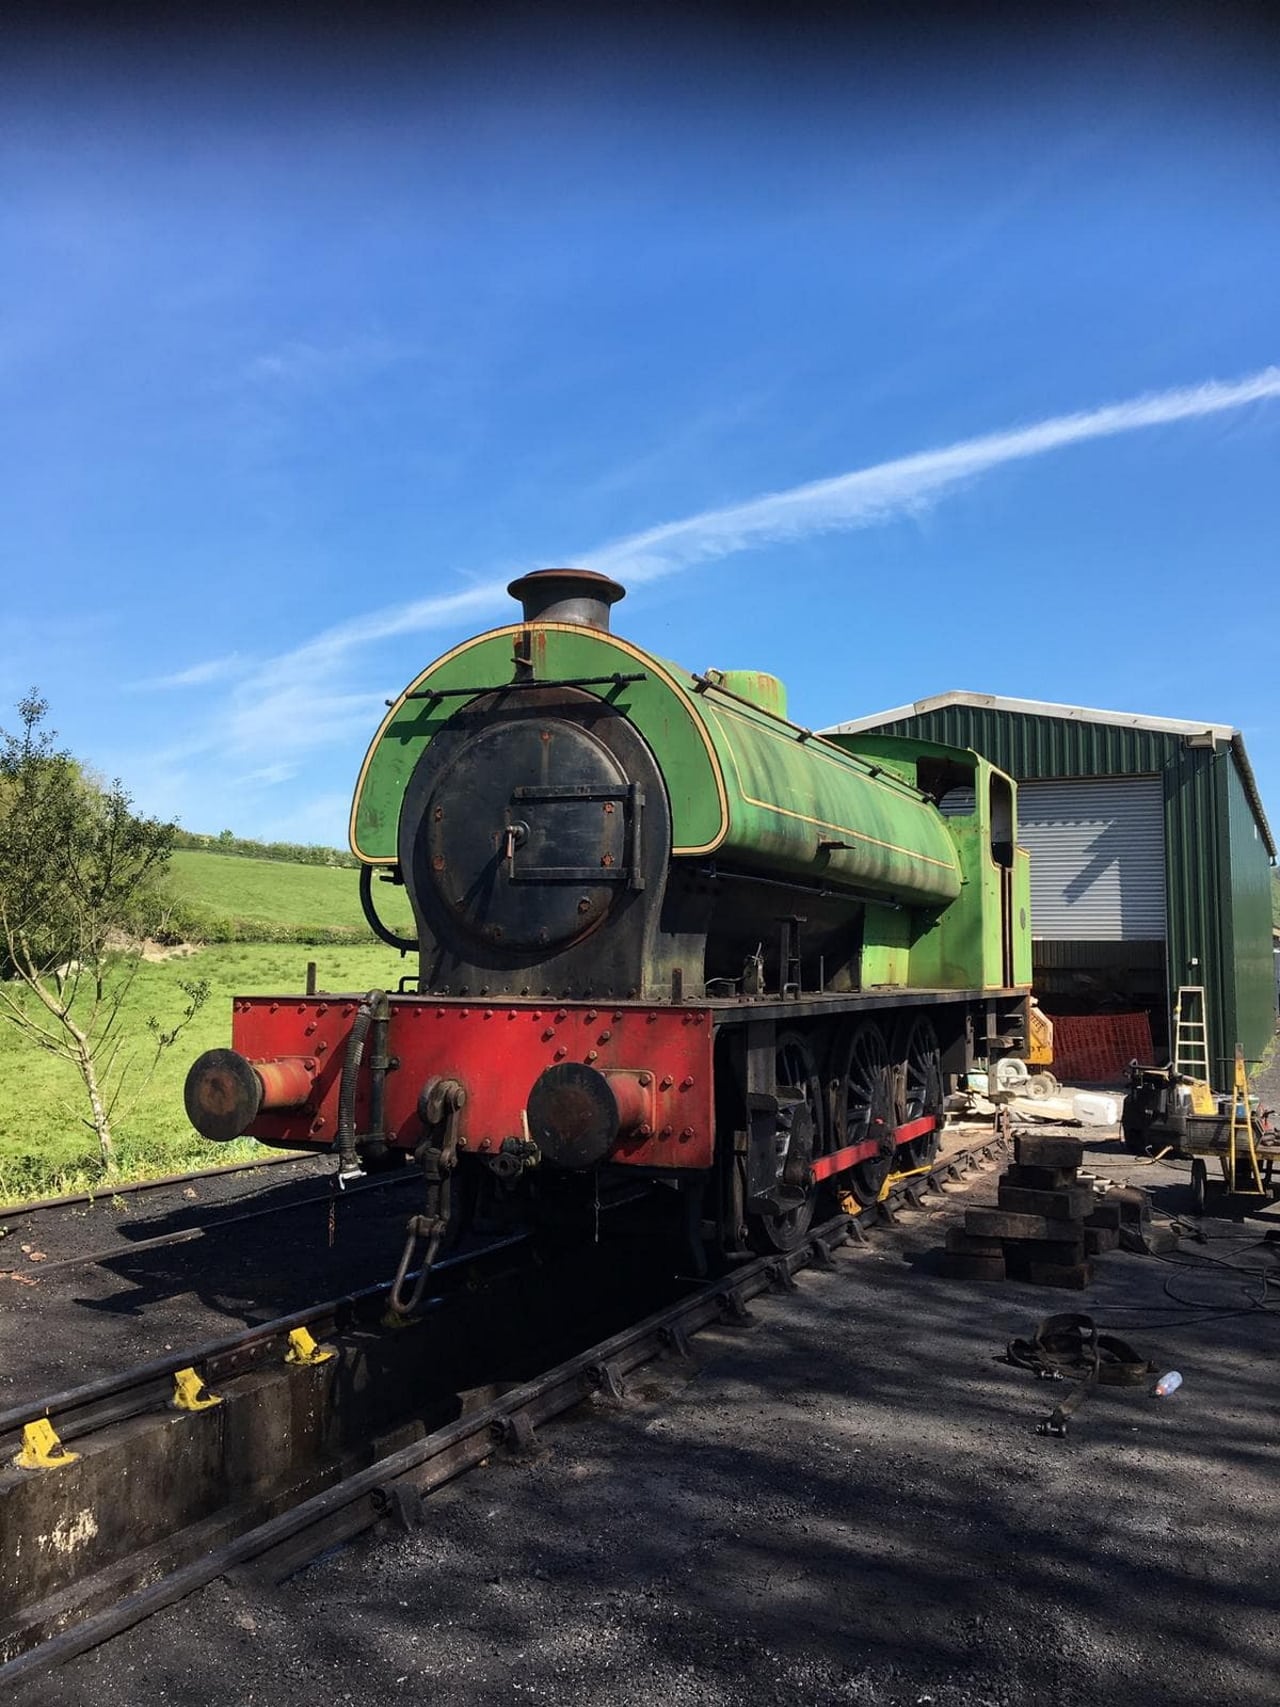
[858, 499]
[301, 699]
[887, 489]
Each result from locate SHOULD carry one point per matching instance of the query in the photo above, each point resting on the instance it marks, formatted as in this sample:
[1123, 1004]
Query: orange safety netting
[1094, 1049]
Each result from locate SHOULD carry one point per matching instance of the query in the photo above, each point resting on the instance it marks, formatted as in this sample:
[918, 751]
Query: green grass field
[251, 900]
[45, 1145]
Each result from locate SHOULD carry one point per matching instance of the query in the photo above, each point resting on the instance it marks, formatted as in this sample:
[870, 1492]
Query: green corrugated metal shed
[1218, 847]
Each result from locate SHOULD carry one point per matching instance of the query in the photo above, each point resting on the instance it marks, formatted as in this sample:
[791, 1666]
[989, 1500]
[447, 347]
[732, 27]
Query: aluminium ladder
[1191, 1034]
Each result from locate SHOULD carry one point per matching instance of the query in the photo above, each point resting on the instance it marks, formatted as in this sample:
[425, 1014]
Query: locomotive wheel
[863, 1089]
[795, 1071]
[922, 1053]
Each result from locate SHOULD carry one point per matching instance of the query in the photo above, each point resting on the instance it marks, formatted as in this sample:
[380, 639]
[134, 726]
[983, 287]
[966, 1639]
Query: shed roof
[1035, 708]
[1186, 727]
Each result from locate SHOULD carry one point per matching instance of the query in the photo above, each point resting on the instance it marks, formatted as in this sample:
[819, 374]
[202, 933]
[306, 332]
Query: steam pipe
[405, 944]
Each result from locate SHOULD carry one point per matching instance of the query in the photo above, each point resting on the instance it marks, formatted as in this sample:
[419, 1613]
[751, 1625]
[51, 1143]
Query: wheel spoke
[864, 1104]
[799, 1139]
[922, 1055]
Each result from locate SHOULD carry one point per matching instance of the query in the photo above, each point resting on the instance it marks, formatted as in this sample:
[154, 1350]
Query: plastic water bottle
[1168, 1384]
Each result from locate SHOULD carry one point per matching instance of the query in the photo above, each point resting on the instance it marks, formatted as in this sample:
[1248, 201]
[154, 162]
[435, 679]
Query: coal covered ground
[61, 1326]
[845, 1502]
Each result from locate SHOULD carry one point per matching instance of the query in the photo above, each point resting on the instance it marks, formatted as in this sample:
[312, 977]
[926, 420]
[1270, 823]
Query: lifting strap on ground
[1068, 1347]
[41, 1448]
[190, 1392]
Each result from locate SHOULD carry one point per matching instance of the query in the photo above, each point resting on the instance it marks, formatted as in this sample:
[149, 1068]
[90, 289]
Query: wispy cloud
[198, 675]
[302, 363]
[888, 489]
[270, 775]
[862, 498]
[305, 699]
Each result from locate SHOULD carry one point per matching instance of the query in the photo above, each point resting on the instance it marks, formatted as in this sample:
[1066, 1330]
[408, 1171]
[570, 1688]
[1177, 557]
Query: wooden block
[1022, 1255]
[1103, 1215]
[1074, 1276]
[1160, 1240]
[970, 1245]
[1072, 1203]
[1134, 1205]
[1038, 1150]
[961, 1267]
[1004, 1224]
[1038, 1179]
[1065, 1251]
[1099, 1239]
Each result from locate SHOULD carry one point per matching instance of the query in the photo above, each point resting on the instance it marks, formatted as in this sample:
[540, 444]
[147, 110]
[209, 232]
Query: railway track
[369, 1430]
[129, 1188]
[214, 1219]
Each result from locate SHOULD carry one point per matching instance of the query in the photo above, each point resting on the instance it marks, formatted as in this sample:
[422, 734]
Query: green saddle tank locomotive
[662, 933]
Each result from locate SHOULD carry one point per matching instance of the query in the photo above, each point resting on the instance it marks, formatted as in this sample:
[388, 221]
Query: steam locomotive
[663, 934]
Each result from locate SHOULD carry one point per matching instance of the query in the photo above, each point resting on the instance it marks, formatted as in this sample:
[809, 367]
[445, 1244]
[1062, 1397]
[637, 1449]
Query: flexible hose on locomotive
[348, 1156]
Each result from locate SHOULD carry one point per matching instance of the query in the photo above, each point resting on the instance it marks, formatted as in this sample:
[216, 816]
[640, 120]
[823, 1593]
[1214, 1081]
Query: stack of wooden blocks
[1047, 1225]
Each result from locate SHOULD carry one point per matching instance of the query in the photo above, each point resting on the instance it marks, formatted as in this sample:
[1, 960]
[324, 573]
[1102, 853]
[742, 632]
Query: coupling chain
[441, 1106]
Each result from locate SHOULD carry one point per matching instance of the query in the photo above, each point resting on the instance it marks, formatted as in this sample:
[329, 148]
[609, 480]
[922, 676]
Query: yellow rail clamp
[303, 1349]
[849, 1205]
[191, 1394]
[41, 1448]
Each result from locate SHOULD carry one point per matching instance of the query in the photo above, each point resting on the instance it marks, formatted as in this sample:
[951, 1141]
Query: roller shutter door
[1097, 858]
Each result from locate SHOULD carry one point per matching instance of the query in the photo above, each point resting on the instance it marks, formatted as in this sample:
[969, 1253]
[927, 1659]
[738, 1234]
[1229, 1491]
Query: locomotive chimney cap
[567, 595]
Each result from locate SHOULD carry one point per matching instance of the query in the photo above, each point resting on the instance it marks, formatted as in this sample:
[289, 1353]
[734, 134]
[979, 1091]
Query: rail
[354, 1498]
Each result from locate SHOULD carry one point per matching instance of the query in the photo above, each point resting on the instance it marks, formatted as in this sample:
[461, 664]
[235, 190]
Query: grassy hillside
[45, 1146]
[260, 921]
[227, 898]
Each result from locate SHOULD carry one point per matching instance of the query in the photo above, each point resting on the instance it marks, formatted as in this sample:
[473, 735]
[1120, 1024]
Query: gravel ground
[846, 1501]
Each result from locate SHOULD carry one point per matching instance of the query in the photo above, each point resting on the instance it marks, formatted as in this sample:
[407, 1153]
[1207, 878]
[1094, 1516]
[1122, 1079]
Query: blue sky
[303, 355]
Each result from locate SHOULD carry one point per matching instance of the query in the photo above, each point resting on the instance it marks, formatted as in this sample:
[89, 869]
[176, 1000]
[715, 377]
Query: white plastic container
[1093, 1108]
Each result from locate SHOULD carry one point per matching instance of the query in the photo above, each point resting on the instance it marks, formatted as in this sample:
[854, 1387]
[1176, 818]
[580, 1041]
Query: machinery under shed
[1150, 856]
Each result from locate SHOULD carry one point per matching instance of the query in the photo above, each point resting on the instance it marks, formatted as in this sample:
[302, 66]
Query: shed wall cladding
[1097, 858]
[1215, 863]
[1250, 954]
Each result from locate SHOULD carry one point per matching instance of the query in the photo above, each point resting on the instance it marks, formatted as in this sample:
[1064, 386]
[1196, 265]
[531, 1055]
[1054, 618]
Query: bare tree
[79, 875]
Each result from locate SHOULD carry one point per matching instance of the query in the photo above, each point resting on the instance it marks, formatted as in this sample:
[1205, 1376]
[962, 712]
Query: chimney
[567, 595]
